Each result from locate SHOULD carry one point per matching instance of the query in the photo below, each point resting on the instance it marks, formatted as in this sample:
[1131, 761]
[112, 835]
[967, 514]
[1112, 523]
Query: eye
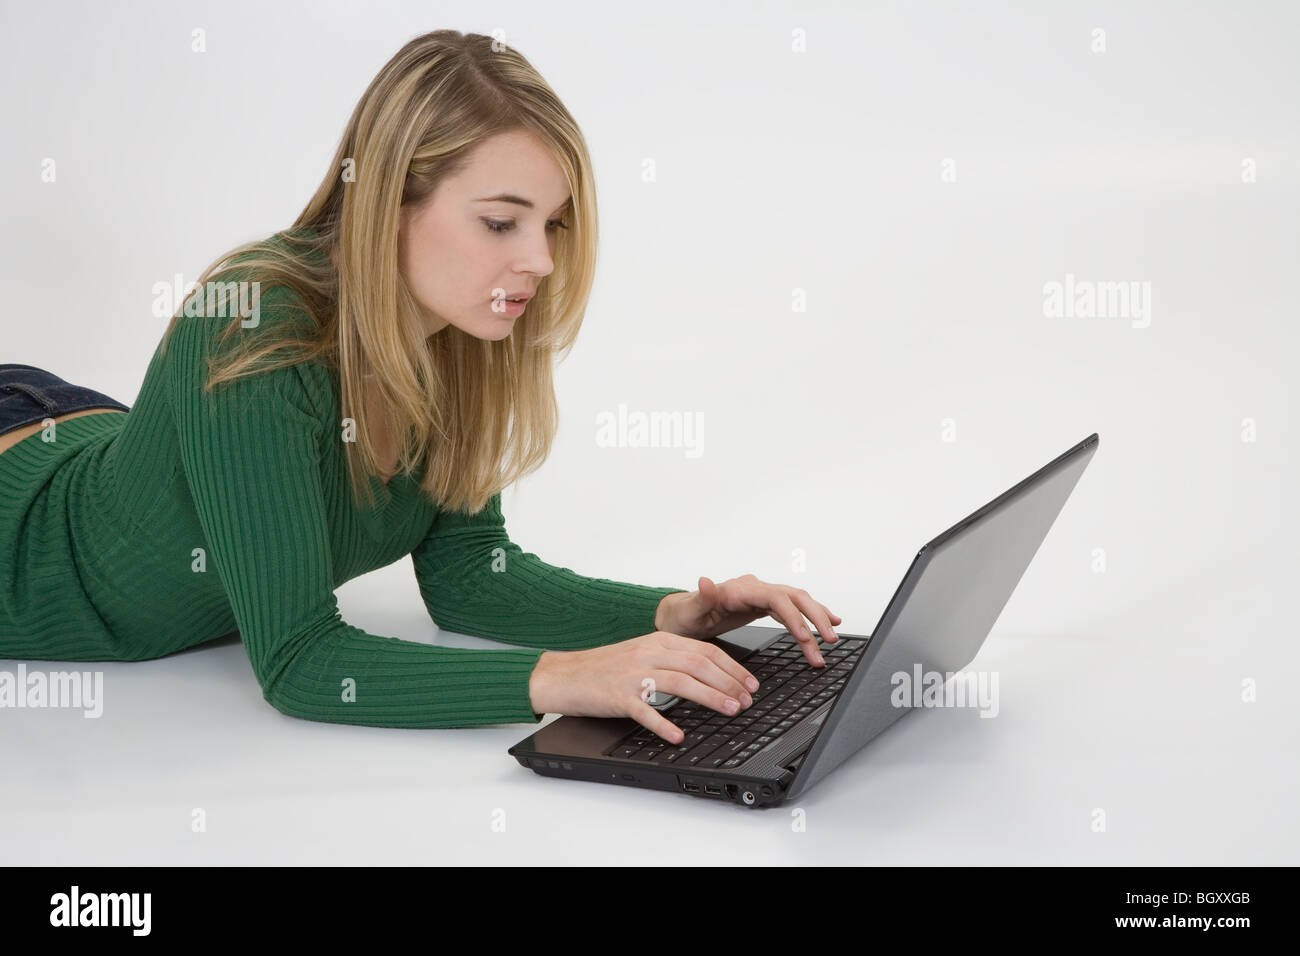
[497, 225]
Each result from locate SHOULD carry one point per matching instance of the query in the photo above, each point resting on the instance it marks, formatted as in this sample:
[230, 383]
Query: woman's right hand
[610, 681]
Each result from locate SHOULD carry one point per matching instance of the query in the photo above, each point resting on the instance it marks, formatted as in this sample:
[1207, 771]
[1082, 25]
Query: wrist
[663, 611]
[538, 694]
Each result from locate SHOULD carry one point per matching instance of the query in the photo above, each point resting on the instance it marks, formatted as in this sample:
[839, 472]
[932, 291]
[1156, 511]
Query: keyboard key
[697, 756]
[747, 738]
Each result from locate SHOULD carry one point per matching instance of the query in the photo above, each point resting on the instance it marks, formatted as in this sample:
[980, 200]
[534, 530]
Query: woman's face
[485, 234]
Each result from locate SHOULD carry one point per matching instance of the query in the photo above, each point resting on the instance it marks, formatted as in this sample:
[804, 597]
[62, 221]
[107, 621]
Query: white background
[825, 430]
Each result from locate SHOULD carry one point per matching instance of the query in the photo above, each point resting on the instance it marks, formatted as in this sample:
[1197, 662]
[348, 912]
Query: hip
[31, 396]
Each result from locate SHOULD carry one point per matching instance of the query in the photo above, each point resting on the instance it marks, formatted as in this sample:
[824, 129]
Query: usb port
[713, 789]
[691, 787]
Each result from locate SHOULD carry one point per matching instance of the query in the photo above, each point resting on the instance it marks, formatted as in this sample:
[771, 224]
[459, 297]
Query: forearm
[518, 598]
[349, 676]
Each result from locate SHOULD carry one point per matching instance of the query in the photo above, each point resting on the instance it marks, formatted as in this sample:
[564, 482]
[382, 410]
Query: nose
[535, 257]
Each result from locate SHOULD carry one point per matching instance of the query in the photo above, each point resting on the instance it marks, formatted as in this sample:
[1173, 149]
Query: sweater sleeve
[250, 450]
[475, 580]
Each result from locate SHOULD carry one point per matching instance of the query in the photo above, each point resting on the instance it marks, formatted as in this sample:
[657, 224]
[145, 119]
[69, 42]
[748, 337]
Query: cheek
[447, 262]
[469, 264]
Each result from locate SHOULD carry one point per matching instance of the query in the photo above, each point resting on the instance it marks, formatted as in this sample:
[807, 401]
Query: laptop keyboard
[789, 690]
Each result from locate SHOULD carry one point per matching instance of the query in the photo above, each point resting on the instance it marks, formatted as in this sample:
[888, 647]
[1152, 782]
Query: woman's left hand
[717, 608]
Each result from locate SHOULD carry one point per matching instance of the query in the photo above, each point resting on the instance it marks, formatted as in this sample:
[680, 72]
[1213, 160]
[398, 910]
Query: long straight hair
[479, 414]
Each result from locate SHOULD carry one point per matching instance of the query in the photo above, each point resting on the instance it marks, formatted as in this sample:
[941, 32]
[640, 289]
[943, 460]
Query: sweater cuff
[528, 662]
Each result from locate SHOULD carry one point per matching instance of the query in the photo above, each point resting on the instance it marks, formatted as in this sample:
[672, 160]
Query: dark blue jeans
[29, 394]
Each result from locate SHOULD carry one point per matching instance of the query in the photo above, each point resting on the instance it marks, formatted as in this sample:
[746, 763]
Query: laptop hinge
[791, 767]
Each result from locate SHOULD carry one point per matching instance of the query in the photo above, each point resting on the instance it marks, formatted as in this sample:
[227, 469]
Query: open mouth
[512, 306]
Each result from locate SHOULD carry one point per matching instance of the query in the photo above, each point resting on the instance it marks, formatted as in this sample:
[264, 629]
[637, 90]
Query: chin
[492, 330]
[500, 326]
[497, 331]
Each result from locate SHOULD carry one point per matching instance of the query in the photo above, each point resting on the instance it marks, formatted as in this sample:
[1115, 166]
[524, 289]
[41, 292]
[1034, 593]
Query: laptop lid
[944, 608]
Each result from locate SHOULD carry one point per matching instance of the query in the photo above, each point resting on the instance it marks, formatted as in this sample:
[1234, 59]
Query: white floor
[1142, 723]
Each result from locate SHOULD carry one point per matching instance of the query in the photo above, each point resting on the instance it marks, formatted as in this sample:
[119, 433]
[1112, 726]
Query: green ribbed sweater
[136, 535]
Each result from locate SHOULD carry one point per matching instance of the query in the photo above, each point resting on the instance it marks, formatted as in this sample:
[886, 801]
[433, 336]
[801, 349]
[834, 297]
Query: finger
[724, 661]
[784, 609]
[819, 614]
[773, 600]
[701, 665]
[681, 684]
[656, 723]
[731, 666]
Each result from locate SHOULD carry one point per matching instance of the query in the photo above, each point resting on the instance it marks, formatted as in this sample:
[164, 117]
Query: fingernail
[820, 659]
[731, 706]
[752, 684]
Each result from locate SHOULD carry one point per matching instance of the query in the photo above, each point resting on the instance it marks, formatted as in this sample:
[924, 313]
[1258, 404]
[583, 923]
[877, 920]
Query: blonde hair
[479, 414]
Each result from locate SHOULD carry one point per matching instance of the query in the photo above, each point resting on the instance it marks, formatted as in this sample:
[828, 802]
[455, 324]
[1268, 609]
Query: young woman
[354, 389]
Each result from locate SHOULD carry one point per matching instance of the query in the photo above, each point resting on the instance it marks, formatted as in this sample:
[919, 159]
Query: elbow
[278, 671]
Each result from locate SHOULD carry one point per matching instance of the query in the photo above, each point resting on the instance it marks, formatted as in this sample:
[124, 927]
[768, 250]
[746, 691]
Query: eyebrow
[521, 201]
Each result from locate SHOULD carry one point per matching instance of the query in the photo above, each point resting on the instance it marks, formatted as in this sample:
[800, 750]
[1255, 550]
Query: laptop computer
[805, 721]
